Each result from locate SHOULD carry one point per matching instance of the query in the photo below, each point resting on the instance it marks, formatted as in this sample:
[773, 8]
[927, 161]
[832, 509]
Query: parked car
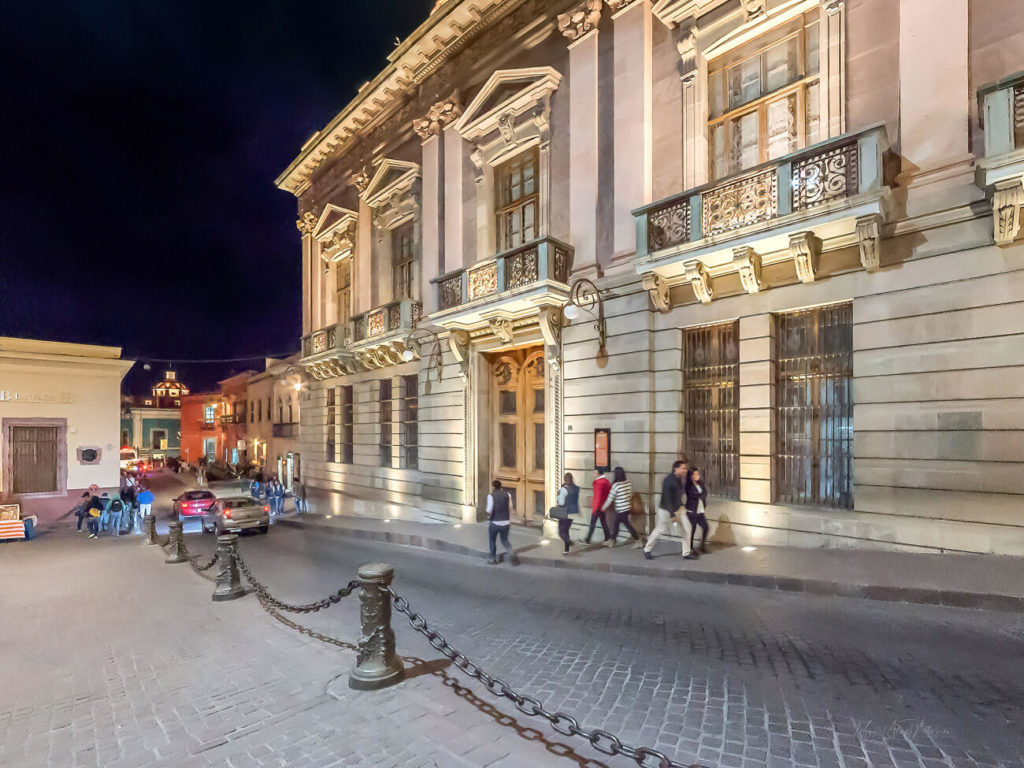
[193, 503]
[129, 458]
[235, 514]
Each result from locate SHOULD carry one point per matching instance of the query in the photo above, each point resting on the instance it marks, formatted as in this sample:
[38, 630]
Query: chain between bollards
[176, 544]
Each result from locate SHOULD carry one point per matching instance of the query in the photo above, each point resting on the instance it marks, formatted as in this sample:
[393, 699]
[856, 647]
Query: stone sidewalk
[990, 582]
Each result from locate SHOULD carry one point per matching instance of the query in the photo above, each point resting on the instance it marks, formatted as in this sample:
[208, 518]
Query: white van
[129, 458]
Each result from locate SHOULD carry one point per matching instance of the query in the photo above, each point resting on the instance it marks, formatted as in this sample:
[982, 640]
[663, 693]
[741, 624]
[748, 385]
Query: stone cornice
[449, 29]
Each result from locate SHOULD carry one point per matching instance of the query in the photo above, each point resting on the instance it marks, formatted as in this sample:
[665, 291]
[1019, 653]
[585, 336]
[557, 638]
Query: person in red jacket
[602, 485]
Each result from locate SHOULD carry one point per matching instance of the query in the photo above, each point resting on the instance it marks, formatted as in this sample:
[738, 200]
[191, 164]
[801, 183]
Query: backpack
[116, 506]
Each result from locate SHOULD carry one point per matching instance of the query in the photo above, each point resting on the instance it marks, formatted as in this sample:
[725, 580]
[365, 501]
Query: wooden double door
[517, 414]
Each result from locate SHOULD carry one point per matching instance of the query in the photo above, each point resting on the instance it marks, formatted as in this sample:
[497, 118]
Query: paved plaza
[114, 659]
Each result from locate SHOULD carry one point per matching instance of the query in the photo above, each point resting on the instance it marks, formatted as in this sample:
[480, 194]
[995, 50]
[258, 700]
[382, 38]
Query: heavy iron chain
[269, 599]
[194, 561]
[603, 741]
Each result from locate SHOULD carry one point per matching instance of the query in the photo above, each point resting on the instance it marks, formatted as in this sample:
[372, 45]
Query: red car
[193, 503]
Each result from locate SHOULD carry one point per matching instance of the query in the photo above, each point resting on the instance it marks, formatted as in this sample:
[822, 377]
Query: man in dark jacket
[670, 504]
[499, 513]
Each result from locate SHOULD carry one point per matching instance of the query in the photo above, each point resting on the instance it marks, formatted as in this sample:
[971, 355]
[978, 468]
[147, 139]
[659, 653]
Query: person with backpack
[95, 511]
[620, 498]
[115, 510]
[696, 504]
[569, 500]
[499, 515]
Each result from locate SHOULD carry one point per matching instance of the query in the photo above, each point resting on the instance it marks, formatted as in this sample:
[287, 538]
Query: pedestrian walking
[115, 509]
[299, 492]
[254, 489]
[602, 486]
[696, 504]
[666, 515]
[277, 495]
[146, 499]
[620, 499]
[569, 500]
[499, 514]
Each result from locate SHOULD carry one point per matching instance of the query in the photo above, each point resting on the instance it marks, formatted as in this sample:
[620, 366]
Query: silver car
[233, 514]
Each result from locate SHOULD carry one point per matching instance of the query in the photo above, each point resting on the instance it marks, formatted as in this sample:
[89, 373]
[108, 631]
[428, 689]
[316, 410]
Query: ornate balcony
[515, 282]
[833, 193]
[325, 353]
[1001, 172]
[378, 336]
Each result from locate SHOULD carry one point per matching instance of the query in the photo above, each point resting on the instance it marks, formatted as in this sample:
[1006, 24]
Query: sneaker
[92, 535]
[648, 555]
[610, 543]
[689, 555]
[638, 544]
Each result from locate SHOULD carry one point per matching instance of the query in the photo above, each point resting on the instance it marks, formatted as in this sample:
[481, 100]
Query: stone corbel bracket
[748, 264]
[1007, 199]
[502, 328]
[658, 289]
[458, 343]
[550, 321]
[697, 277]
[869, 236]
[805, 249]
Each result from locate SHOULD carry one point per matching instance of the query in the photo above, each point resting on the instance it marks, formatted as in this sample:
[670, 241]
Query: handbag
[558, 513]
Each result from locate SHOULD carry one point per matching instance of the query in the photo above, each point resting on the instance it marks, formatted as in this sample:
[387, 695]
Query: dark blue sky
[140, 144]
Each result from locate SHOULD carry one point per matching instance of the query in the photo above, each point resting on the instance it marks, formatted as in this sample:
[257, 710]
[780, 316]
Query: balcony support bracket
[805, 249]
[1007, 199]
[658, 289]
[869, 235]
[697, 277]
[748, 263]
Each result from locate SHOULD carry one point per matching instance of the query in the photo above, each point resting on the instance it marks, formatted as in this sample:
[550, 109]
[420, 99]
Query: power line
[212, 360]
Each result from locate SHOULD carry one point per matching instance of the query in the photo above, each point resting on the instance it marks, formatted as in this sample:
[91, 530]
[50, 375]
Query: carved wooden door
[517, 448]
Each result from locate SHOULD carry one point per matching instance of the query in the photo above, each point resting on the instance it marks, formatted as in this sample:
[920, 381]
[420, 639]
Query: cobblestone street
[115, 659]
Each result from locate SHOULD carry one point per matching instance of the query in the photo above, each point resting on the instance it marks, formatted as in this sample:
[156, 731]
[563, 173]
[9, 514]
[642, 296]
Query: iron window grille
[331, 448]
[711, 432]
[814, 406]
[385, 409]
[346, 424]
[410, 421]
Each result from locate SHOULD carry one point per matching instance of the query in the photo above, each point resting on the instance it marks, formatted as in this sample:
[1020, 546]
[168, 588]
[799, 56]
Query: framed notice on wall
[602, 449]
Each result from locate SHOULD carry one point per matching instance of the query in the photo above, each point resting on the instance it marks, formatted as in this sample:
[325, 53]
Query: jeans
[493, 532]
[81, 514]
[622, 518]
[662, 526]
[104, 519]
[563, 532]
[698, 519]
[94, 526]
[595, 518]
[115, 523]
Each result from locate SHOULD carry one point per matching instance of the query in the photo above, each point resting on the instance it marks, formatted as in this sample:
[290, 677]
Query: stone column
[694, 83]
[432, 223]
[363, 274]
[454, 150]
[305, 228]
[757, 397]
[583, 152]
[832, 55]
[633, 156]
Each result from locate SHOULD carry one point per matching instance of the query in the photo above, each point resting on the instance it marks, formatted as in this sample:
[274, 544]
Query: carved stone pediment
[392, 193]
[335, 230]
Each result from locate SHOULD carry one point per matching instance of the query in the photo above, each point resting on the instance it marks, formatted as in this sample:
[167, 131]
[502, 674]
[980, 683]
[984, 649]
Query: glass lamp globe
[408, 355]
[572, 311]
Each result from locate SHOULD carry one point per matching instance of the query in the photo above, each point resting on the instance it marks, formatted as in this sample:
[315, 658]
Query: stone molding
[580, 20]
[335, 230]
[392, 193]
[502, 328]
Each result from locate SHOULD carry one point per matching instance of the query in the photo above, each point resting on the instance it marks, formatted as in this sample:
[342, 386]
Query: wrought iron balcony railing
[529, 265]
[287, 429]
[816, 179]
[330, 339]
[396, 316]
[1001, 172]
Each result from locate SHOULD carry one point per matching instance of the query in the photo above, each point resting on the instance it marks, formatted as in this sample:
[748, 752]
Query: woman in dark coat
[696, 504]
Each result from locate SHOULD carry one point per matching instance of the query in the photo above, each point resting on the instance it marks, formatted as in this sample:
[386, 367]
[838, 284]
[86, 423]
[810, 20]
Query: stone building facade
[788, 232]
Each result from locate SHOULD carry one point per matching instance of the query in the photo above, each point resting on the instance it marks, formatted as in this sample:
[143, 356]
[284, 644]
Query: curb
[889, 594]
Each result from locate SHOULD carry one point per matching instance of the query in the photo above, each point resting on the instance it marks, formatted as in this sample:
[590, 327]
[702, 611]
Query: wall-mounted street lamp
[294, 376]
[584, 295]
[416, 339]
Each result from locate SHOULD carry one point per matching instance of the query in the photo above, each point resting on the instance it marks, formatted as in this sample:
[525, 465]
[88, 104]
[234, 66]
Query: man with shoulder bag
[672, 499]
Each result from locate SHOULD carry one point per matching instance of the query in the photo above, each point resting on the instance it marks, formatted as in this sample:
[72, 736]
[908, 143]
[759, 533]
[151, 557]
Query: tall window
[711, 382]
[385, 406]
[347, 423]
[331, 442]
[763, 98]
[410, 420]
[401, 260]
[814, 406]
[517, 200]
[344, 279]
[252, 411]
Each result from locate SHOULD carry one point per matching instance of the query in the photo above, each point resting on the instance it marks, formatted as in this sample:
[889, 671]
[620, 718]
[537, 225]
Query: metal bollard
[149, 530]
[377, 664]
[229, 583]
[176, 545]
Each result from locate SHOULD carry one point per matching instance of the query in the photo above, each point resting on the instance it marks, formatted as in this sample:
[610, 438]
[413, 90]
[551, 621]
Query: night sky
[140, 144]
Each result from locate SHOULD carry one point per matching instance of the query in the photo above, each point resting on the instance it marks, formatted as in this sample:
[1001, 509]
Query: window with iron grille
[814, 406]
[517, 200]
[711, 428]
[385, 408]
[344, 281]
[401, 257]
[346, 424]
[410, 420]
[331, 422]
